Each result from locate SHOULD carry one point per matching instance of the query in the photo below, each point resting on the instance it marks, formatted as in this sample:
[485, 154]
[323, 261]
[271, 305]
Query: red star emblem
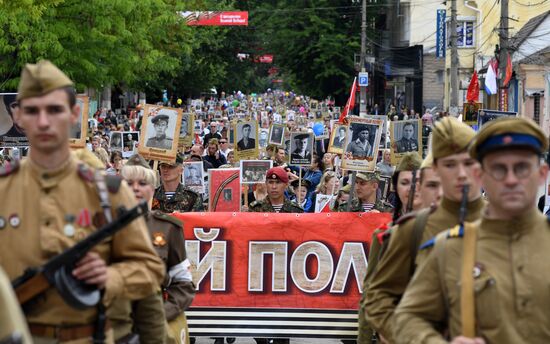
[507, 140]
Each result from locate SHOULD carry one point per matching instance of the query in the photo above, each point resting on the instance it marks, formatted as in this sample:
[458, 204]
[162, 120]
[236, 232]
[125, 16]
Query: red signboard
[304, 269]
[213, 18]
[267, 58]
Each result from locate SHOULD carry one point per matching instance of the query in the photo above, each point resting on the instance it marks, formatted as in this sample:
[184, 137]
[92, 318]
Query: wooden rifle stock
[36, 281]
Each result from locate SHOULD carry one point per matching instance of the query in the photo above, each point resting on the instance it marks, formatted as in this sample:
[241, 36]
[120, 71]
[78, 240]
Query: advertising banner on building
[277, 275]
[215, 18]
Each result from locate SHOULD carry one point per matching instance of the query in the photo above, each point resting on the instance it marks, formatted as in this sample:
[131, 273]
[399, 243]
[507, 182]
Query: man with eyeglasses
[224, 148]
[508, 293]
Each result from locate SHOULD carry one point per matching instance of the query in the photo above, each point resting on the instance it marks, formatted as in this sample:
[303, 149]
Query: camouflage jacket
[265, 207]
[184, 200]
[357, 207]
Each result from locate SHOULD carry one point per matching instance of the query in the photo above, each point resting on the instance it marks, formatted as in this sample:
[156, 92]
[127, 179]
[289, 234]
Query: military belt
[64, 333]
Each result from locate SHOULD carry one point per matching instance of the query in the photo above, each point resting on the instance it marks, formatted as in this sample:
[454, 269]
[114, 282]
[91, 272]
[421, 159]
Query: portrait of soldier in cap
[361, 144]
[184, 129]
[193, 174]
[301, 146]
[157, 136]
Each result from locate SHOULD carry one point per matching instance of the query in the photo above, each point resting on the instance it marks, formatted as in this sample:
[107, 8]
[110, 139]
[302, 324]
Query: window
[536, 115]
[464, 32]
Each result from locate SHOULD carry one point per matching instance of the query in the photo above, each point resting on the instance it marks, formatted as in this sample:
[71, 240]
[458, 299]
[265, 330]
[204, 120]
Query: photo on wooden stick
[276, 134]
[362, 146]
[338, 139]
[405, 136]
[254, 171]
[470, 111]
[130, 140]
[301, 148]
[160, 132]
[79, 130]
[193, 176]
[246, 141]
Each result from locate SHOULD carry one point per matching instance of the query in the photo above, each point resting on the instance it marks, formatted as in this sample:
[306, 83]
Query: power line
[529, 4]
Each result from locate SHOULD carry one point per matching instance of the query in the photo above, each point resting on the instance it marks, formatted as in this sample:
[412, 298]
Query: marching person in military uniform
[160, 140]
[488, 281]
[275, 201]
[13, 327]
[167, 236]
[172, 195]
[396, 266]
[366, 186]
[55, 203]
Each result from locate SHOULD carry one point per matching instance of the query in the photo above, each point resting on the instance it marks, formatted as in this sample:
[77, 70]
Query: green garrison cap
[450, 136]
[409, 162]
[40, 79]
[137, 160]
[368, 176]
[508, 133]
[427, 162]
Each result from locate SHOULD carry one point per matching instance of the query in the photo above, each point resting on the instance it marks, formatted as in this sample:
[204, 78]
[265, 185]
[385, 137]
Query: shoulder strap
[467, 306]
[418, 230]
[101, 186]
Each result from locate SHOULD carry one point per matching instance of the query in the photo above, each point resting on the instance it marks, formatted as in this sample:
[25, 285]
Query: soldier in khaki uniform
[167, 236]
[396, 266]
[55, 202]
[366, 186]
[275, 202]
[183, 199]
[505, 254]
[12, 321]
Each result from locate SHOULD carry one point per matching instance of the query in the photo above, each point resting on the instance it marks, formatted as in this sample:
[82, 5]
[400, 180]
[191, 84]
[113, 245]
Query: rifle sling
[467, 306]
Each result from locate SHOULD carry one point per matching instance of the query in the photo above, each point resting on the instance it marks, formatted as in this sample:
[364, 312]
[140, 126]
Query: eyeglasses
[499, 172]
[223, 141]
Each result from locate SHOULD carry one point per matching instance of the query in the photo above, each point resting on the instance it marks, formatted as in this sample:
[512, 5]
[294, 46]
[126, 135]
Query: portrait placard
[193, 176]
[254, 171]
[225, 189]
[470, 112]
[489, 115]
[159, 130]
[338, 139]
[130, 141]
[11, 135]
[405, 136]
[276, 134]
[263, 135]
[383, 137]
[246, 143]
[115, 141]
[79, 131]
[301, 148]
[186, 129]
[384, 184]
[362, 146]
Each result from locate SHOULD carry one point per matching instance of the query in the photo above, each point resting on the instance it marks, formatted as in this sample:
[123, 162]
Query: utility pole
[503, 55]
[454, 58]
[363, 89]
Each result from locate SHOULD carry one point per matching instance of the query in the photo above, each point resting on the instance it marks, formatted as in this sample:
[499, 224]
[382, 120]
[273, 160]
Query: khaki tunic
[41, 200]
[511, 285]
[393, 274]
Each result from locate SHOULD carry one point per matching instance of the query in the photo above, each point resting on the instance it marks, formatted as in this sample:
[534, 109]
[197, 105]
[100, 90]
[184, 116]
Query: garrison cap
[409, 162]
[160, 118]
[508, 133]
[368, 176]
[305, 183]
[277, 173]
[40, 79]
[137, 160]
[450, 136]
[427, 162]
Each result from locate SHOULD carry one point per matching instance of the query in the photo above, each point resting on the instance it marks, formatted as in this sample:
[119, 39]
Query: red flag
[351, 102]
[473, 89]
[508, 75]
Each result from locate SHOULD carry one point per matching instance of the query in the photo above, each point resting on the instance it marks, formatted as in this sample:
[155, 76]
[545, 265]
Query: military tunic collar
[518, 226]
[472, 208]
[48, 178]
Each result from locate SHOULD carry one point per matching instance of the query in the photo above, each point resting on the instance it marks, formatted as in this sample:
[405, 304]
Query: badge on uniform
[2, 222]
[84, 218]
[159, 239]
[69, 229]
[14, 220]
[478, 268]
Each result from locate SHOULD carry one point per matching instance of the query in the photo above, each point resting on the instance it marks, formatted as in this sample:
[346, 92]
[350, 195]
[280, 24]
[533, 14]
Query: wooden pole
[352, 189]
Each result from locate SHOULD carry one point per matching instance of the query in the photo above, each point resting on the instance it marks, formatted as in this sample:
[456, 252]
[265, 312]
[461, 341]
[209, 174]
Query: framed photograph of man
[130, 141]
[489, 115]
[276, 134]
[11, 135]
[225, 189]
[246, 140]
[79, 130]
[313, 105]
[362, 144]
[338, 139]
[186, 129]
[115, 141]
[301, 148]
[384, 128]
[405, 136]
[160, 132]
[193, 176]
[263, 137]
[470, 112]
[254, 171]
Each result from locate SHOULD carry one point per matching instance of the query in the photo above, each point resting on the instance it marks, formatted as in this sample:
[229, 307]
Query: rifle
[463, 204]
[412, 191]
[57, 271]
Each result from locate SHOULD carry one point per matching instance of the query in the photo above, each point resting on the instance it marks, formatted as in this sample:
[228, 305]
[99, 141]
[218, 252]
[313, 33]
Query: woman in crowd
[116, 163]
[328, 162]
[328, 187]
[402, 181]
[167, 237]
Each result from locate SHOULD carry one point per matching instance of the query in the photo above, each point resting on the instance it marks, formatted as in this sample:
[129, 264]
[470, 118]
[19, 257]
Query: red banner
[212, 18]
[305, 270]
[267, 58]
